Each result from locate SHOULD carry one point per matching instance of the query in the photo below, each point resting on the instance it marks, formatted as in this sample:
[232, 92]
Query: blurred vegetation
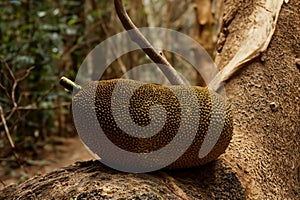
[40, 41]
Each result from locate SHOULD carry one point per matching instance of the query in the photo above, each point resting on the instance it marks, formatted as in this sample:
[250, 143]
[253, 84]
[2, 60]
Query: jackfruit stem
[69, 85]
[137, 37]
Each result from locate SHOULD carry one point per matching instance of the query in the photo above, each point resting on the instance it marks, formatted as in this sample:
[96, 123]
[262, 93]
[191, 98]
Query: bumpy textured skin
[140, 103]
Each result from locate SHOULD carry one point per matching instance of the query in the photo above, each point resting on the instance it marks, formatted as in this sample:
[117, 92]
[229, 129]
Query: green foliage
[40, 41]
[33, 34]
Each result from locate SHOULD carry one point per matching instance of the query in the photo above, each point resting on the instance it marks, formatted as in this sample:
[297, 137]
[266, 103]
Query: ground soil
[62, 152]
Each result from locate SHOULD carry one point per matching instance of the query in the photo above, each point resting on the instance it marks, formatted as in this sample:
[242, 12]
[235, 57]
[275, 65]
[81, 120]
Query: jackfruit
[96, 97]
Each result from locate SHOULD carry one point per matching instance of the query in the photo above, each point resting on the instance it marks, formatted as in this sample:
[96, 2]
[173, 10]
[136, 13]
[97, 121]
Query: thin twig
[13, 79]
[2, 183]
[138, 38]
[8, 68]
[25, 75]
[11, 142]
[5, 90]
[15, 82]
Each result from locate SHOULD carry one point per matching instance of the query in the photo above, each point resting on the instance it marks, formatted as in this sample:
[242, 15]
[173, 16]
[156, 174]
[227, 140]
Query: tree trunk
[263, 159]
[265, 150]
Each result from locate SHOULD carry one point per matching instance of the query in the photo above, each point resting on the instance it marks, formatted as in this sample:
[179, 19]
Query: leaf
[72, 21]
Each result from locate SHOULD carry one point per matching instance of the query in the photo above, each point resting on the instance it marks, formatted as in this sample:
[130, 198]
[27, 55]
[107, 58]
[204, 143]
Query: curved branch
[138, 38]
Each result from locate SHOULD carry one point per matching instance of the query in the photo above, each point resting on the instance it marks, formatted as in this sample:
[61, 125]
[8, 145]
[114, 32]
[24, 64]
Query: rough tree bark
[263, 159]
